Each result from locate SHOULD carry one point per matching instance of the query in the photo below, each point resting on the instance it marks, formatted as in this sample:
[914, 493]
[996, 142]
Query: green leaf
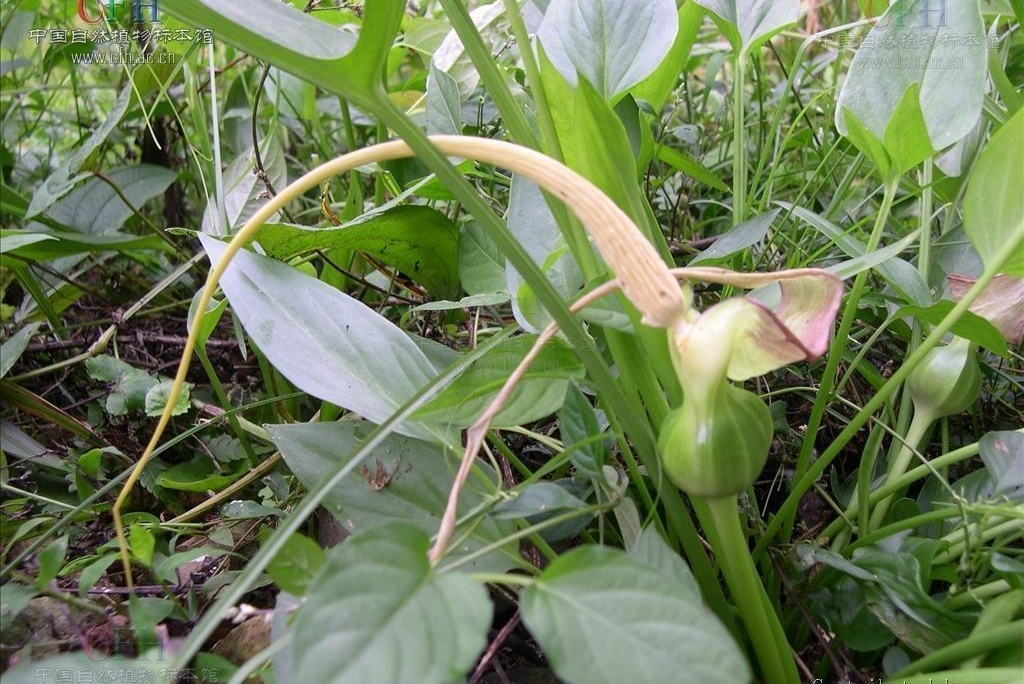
[244, 191]
[969, 326]
[906, 137]
[65, 176]
[444, 105]
[748, 23]
[50, 561]
[14, 598]
[481, 264]
[612, 44]
[533, 224]
[199, 474]
[539, 499]
[419, 241]
[658, 86]
[297, 564]
[157, 395]
[142, 543]
[651, 550]
[903, 277]
[994, 204]
[581, 433]
[736, 239]
[940, 47]
[301, 44]
[539, 394]
[604, 618]
[131, 385]
[379, 614]
[1001, 454]
[92, 573]
[691, 167]
[405, 480]
[13, 348]
[97, 208]
[53, 244]
[364, 363]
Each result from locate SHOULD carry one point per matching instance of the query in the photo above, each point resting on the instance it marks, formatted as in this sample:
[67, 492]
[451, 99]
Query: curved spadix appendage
[644, 278]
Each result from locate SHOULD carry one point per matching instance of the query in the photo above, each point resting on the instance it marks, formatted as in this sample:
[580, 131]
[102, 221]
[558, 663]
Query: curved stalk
[919, 426]
[644, 277]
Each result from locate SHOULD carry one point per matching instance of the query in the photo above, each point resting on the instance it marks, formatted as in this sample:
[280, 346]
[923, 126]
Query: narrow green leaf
[691, 167]
[737, 238]
[379, 614]
[66, 175]
[50, 561]
[14, 347]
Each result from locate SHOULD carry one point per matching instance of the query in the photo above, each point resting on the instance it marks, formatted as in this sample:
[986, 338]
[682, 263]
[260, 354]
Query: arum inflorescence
[716, 443]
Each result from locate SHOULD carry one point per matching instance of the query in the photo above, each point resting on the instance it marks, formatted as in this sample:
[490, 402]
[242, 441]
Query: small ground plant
[589, 341]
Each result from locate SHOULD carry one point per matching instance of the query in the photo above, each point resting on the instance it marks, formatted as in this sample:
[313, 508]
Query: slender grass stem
[838, 349]
[739, 147]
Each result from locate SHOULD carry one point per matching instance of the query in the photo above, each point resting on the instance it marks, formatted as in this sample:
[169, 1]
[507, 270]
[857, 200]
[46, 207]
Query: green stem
[952, 458]
[838, 349]
[976, 644]
[788, 509]
[919, 427]
[739, 147]
[762, 623]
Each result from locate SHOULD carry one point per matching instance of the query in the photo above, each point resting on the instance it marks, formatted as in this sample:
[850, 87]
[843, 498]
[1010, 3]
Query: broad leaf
[539, 394]
[1001, 453]
[379, 614]
[418, 241]
[938, 46]
[481, 264]
[444, 104]
[748, 23]
[994, 204]
[613, 44]
[97, 209]
[405, 480]
[604, 618]
[651, 550]
[299, 43]
[969, 326]
[363, 362]
[539, 500]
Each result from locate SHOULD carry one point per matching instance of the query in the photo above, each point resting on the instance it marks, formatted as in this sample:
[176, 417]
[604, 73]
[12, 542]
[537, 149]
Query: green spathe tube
[717, 447]
[947, 381]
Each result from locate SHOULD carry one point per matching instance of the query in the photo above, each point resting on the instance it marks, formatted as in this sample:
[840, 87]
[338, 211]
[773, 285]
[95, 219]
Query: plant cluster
[623, 341]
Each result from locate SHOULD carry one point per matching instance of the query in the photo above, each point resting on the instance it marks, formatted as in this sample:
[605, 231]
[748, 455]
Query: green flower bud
[948, 381]
[718, 447]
